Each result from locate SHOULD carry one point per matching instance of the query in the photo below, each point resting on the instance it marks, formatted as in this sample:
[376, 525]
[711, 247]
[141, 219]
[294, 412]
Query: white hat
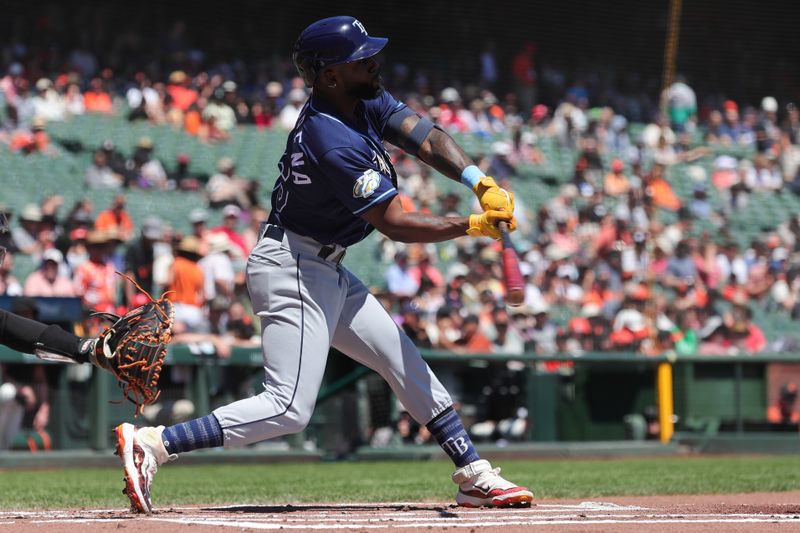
[450, 94]
[51, 254]
[153, 228]
[725, 162]
[539, 306]
[456, 270]
[590, 310]
[297, 95]
[274, 89]
[697, 173]
[198, 214]
[556, 253]
[32, 213]
[630, 319]
[769, 104]
[218, 243]
[231, 210]
[502, 148]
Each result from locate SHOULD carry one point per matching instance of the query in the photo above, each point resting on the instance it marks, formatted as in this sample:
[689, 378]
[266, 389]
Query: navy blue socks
[202, 432]
[449, 432]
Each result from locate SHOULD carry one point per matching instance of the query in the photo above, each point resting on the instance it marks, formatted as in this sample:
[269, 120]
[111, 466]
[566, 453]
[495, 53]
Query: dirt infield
[717, 513]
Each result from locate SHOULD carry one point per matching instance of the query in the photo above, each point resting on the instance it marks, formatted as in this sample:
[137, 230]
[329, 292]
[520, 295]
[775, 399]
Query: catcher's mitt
[134, 346]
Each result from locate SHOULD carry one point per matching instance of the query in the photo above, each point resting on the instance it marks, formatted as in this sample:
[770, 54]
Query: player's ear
[329, 78]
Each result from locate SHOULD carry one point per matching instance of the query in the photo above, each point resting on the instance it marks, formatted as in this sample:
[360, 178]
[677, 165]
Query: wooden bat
[514, 283]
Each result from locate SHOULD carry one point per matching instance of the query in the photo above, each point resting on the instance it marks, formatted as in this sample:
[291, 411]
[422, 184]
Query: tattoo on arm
[439, 150]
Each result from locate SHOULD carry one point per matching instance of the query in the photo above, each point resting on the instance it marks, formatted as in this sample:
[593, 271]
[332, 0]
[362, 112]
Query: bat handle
[503, 227]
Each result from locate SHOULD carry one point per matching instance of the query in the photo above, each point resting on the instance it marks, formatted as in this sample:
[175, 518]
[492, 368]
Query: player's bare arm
[390, 219]
[399, 225]
[438, 150]
[435, 147]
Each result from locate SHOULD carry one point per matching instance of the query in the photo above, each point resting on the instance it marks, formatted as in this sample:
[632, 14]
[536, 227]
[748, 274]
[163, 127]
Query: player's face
[362, 78]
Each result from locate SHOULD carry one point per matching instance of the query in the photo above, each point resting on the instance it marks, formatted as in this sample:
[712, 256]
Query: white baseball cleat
[479, 485]
[142, 452]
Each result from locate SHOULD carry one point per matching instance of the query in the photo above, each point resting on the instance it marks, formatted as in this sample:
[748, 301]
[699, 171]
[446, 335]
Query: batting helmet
[333, 41]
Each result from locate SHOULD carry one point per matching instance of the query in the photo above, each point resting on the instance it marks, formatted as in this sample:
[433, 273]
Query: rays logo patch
[366, 184]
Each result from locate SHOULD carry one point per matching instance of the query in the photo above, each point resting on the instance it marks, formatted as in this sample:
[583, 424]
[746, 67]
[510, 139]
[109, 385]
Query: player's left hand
[492, 197]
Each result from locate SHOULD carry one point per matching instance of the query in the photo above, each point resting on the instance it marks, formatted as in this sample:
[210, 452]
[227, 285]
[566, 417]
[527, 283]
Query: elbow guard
[412, 141]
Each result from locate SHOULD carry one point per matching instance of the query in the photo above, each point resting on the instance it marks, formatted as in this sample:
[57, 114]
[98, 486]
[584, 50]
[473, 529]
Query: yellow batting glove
[485, 224]
[492, 197]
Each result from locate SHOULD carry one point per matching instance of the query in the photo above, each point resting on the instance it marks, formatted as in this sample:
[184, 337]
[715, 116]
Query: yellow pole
[666, 407]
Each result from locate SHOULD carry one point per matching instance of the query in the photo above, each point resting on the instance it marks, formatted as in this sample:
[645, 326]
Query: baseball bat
[515, 285]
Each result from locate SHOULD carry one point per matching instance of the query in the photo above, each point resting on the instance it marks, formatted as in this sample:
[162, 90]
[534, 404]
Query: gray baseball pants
[308, 303]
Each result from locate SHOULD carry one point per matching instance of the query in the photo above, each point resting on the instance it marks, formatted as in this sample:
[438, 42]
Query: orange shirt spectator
[660, 190]
[96, 99]
[615, 182]
[663, 195]
[182, 96]
[193, 122]
[116, 219]
[95, 280]
[187, 281]
[472, 340]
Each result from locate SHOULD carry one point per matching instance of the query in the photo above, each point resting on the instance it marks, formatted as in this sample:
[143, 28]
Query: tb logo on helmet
[360, 26]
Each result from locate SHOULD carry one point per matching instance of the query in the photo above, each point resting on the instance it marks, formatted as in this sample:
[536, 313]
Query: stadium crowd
[597, 278]
[612, 261]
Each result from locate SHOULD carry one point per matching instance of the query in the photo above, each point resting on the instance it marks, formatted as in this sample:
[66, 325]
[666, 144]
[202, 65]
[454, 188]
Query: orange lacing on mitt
[140, 350]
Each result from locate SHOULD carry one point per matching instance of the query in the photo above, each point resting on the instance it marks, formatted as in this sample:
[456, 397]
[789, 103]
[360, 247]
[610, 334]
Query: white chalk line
[460, 524]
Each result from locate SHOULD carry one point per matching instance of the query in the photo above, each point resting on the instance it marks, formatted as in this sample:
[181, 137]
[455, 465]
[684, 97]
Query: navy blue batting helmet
[333, 41]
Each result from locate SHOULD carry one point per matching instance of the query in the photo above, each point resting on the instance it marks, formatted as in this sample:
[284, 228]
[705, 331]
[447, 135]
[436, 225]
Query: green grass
[395, 481]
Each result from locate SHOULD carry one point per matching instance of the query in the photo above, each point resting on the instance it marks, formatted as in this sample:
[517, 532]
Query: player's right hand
[485, 224]
[492, 197]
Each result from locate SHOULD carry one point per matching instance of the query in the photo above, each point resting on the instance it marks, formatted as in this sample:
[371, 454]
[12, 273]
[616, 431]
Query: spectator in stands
[288, 115]
[99, 175]
[225, 187]
[616, 183]
[182, 95]
[147, 171]
[47, 281]
[95, 280]
[218, 110]
[48, 104]
[230, 221]
[659, 190]
[507, 340]
[97, 99]
[251, 233]
[543, 333]
[73, 100]
[745, 336]
[399, 279]
[472, 340]
[218, 275]
[186, 281]
[26, 234]
[116, 219]
[9, 285]
[139, 258]
[682, 104]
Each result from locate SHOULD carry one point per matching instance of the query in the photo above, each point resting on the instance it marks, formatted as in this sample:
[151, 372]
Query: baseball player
[336, 184]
